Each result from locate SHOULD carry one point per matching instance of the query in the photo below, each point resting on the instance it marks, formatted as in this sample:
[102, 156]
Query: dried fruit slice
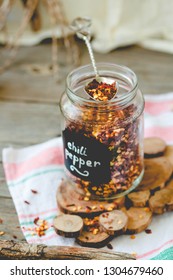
[157, 173]
[114, 222]
[68, 225]
[154, 147]
[162, 201]
[169, 154]
[139, 199]
[95, 239]
[138, 219]
[72, 202]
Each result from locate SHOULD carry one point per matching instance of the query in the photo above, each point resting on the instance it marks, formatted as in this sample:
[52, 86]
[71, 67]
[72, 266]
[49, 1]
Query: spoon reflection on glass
[100, 88]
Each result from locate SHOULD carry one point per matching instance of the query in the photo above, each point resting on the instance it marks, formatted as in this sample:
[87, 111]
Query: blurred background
[115, 23]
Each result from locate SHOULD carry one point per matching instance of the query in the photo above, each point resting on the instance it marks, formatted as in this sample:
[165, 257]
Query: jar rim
[123, 71]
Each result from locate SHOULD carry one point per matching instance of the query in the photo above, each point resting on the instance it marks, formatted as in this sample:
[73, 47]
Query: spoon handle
[81, 28]
[87, 42]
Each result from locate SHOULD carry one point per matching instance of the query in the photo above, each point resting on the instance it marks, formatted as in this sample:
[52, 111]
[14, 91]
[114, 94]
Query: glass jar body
[103, 142]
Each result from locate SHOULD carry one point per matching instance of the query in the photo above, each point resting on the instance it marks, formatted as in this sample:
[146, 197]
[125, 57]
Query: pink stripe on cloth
[165, 133]
[147, 254]
[156, 108]
[43, 238]
[50, 156]
[22, 216]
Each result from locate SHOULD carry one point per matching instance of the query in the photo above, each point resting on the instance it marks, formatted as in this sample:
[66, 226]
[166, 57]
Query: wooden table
[29, 112]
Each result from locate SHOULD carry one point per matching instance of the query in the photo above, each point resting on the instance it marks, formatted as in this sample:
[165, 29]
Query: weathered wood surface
[15, 250]
[28, 122]
[29, 112]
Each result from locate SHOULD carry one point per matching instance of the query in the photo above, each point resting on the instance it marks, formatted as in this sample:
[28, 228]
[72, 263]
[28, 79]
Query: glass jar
[103, 141]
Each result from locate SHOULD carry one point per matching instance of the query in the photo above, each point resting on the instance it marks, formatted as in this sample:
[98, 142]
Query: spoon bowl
[102, 89]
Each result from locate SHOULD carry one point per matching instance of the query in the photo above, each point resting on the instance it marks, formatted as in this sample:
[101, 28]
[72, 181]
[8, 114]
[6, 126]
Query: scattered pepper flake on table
[132, 236]
[40, 229]
[36, 220]
[26, 202]
[34, 191]
[109, 246]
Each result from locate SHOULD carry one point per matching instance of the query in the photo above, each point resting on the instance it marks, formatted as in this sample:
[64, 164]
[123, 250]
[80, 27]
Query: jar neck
[79, 77]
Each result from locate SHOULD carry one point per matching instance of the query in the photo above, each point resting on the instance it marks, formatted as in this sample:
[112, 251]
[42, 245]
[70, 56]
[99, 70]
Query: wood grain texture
[28, 122]
[21, 83]
[30, 78]
[15, 250]
[10, 225]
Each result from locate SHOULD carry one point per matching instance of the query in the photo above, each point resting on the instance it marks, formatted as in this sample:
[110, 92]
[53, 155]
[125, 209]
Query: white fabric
[115, 23]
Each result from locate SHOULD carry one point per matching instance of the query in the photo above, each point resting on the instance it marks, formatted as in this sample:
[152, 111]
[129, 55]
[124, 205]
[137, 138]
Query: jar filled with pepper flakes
[103, 141]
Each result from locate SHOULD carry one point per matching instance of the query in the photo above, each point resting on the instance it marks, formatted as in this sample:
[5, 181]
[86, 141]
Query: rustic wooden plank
[10, 225]
[22, 250]
[29, 77]
[4, 192]
[1, 172]
[154, 71]
[33, 123]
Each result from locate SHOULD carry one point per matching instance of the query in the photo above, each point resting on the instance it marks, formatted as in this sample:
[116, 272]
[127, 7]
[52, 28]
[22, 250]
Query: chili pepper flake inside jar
[110, 133]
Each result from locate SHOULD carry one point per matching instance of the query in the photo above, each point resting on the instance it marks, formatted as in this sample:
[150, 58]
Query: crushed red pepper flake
[101, 91]
[27, 202]
[36, 220]
[148, 231]
[40, 229]
[132, 236]
[1, 221]
[95, 231]
[109, 129]
[34, 191]
[109, 245]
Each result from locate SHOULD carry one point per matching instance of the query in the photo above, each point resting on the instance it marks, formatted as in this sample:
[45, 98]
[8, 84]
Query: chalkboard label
[86, 158]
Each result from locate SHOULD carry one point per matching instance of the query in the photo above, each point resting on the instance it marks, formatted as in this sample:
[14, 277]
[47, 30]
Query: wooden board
[28, 122]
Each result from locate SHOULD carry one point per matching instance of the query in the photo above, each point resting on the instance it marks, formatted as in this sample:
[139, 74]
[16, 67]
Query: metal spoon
[81, 27]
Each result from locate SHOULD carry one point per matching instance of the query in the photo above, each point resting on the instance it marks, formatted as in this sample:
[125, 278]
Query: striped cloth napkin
[33, 174]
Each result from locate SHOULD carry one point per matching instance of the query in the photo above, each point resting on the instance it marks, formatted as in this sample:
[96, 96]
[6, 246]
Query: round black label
[86, 158]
